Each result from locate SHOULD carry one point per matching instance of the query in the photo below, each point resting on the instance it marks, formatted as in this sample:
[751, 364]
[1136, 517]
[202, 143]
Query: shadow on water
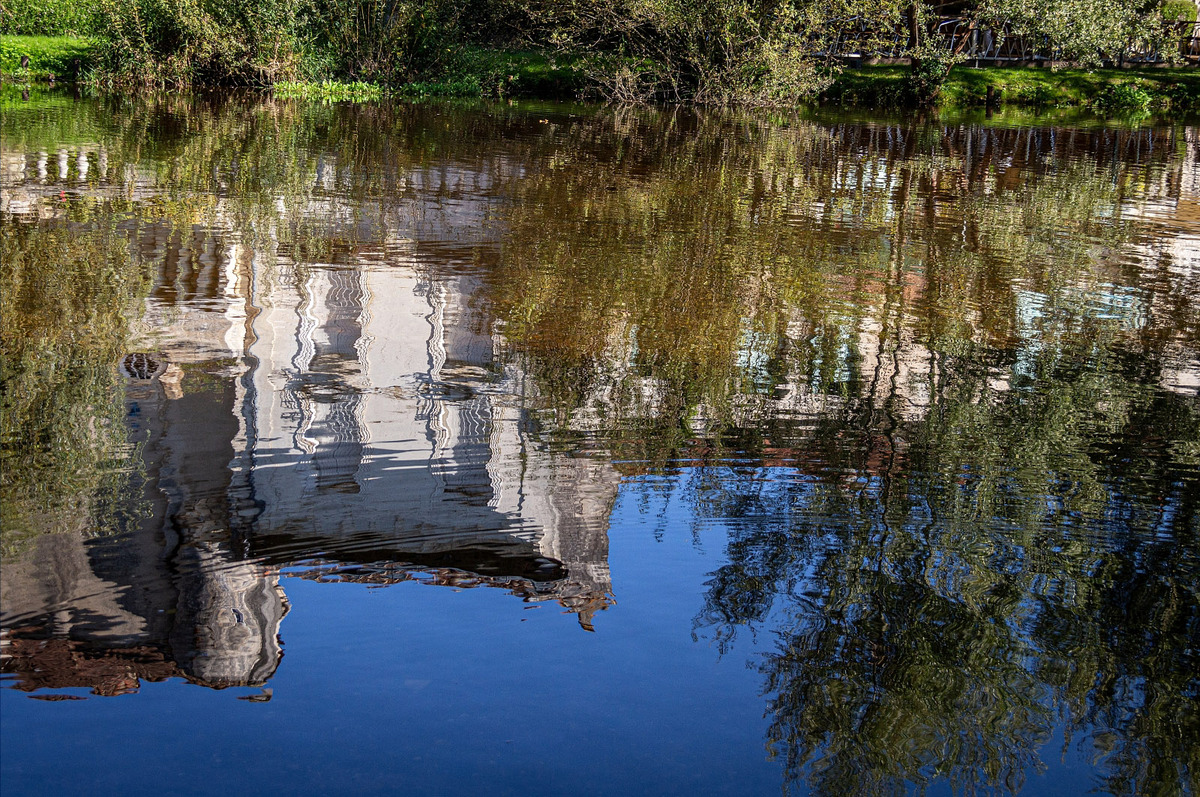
[936, 383]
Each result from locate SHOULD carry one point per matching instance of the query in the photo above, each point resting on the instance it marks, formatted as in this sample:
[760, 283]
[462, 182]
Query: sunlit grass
[61, 57]
[1105, 90]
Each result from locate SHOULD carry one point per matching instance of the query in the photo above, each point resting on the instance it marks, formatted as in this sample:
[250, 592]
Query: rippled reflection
[936, 383]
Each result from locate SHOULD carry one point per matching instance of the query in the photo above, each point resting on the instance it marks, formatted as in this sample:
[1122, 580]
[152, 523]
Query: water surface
[526, 448]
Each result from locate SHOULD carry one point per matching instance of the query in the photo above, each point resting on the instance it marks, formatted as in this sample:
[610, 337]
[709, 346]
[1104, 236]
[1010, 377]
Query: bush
[386, 40]
[46, 18]
[1181, 96]
[1038, 95]
[329, 91]
[1123, 97]
[205, 41]
[260, 42]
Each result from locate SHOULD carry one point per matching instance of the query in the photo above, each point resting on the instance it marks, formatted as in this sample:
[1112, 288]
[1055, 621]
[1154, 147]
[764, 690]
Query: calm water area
[516, 448]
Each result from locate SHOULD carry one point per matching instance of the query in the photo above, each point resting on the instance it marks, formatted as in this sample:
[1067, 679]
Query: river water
[542, 449]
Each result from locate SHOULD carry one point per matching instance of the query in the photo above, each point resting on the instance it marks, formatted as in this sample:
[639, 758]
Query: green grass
[1108, 91]
[329, 91]
[477, 73]
[64, 57]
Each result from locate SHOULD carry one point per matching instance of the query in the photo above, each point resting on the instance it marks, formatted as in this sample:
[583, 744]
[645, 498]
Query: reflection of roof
[61, 663]
[577, 598]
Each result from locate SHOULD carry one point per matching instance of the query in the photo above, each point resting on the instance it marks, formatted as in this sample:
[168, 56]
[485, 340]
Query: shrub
[381, 39]
[259, 42]
[329, 91]
[1038, 95]
[1123, 97]
[207, 41]
[46, 18]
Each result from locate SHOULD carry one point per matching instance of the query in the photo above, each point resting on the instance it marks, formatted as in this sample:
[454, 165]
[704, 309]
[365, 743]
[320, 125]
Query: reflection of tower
[390, 348]
[566, 500]
[228, 617]
[457, 414]
[224, 612]
[197, 608]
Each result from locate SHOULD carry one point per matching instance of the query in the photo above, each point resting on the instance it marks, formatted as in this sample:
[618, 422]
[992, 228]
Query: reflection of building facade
[357, 406]
[351, 408]
[375, 416]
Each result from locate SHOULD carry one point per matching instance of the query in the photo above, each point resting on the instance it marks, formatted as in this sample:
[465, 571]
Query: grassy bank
[57, 57]
[1105, 91]
[477, 72]
[754, 53]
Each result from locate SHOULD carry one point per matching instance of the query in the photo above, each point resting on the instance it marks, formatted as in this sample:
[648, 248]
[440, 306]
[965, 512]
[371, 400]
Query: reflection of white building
[373, 406]
[347, 412]
[367, 400]
[1172, 209]
[373, 422]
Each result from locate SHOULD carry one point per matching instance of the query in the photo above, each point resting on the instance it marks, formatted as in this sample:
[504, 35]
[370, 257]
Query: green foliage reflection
[65, 297]
[967, 506]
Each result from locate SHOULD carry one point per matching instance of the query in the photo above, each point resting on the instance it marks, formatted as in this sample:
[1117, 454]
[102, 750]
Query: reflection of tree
[64, 296]
[985, 525]
[670, 269]
[939, 620]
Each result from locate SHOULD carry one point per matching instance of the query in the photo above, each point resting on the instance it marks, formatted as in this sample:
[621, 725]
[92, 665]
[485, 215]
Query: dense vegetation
[773, 52]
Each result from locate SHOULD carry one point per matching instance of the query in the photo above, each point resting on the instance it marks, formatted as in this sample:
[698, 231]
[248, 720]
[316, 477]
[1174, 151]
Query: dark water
[530, 449]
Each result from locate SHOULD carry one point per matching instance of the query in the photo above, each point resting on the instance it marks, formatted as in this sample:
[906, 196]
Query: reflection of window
[339, 451]
[139, 365]
[320, 389]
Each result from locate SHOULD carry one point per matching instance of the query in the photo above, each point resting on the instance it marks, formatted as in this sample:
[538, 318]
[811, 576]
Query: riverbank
[1105, 91]
[51, 58]
[1110, 92]
[492, 73]
[479, 73]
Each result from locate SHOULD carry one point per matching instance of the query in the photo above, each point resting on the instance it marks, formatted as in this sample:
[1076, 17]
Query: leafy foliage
[46, 18]
[161, 42]
[386, 40]
[1084, 31]
[1124, 97]
[329, 91]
